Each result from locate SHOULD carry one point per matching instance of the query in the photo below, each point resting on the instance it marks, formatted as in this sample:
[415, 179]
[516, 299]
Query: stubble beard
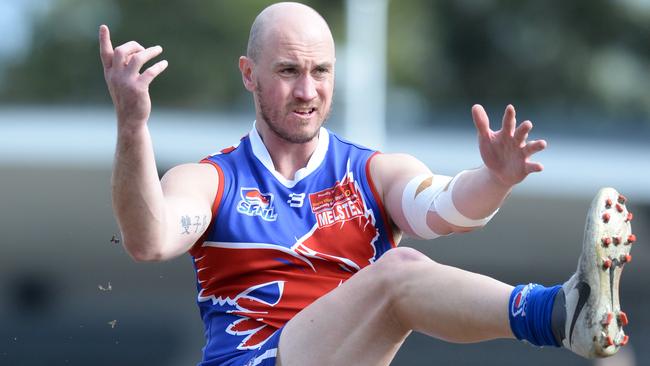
[271, 120]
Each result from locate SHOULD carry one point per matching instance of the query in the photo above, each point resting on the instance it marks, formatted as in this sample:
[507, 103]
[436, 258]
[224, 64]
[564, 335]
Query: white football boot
[594, 320]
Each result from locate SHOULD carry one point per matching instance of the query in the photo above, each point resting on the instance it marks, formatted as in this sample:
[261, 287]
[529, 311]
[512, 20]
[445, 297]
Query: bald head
[279, 19]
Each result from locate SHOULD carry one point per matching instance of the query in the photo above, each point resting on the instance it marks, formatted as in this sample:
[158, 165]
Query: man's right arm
[158, 219]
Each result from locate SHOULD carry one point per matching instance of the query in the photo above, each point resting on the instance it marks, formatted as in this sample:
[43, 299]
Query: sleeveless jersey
[276, 245]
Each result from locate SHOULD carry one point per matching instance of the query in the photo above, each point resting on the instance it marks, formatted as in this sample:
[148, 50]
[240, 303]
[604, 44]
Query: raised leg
[366, 319]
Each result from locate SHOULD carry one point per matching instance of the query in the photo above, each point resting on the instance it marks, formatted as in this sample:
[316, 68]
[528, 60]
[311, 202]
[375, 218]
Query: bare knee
[401, 265]
[397, 265]
[394, 267]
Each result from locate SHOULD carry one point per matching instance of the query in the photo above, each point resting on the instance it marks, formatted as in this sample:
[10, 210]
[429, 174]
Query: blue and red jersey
[276, 245]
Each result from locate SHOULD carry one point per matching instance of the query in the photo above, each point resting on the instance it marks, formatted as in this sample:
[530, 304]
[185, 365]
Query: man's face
[294, 80]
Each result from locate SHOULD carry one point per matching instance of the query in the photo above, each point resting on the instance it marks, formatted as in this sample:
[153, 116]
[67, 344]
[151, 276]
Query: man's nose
[305, 88]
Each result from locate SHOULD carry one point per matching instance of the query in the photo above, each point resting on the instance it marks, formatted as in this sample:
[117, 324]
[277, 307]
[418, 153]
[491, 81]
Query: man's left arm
[426, 205]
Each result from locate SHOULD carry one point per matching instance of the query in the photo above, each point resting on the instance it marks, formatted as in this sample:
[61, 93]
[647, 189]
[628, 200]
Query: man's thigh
[351, 325]
[366, 319]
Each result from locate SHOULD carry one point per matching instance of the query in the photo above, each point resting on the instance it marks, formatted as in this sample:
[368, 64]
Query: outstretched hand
[506, 152]
[128, 87]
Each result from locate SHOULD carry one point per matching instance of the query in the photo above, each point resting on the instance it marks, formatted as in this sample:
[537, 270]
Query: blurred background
[69, 293]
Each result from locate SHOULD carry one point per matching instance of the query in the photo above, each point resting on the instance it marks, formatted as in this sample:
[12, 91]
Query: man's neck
[287, 157]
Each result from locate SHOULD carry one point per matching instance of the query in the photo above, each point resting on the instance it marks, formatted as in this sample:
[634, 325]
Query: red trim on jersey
[215, 203]
[217, 198]
[387, 223]
[228, 149]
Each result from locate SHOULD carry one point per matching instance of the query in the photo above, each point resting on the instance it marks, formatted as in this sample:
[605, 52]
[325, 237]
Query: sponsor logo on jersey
[255, 203]
[337, 204]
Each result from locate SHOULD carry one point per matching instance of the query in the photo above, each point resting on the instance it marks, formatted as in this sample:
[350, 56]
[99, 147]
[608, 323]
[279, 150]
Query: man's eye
[288, 71]
[320, 73]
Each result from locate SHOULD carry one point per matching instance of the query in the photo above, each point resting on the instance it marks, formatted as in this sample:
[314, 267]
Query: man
[294, 231]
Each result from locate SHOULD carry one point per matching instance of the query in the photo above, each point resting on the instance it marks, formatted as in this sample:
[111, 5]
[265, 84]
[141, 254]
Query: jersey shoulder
[343, 142]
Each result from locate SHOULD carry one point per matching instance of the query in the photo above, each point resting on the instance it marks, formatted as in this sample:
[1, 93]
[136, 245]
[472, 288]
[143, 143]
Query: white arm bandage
[426, 193]
[444, 206]
[417, 200]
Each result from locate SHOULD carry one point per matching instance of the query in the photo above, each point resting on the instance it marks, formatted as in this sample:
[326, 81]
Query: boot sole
[606, 251]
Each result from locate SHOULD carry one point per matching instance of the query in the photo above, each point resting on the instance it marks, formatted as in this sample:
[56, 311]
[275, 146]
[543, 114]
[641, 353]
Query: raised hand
[506, 152]
[128, 87]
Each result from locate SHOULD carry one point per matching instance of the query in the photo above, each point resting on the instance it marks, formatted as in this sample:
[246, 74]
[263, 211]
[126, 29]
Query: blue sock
[530, 309]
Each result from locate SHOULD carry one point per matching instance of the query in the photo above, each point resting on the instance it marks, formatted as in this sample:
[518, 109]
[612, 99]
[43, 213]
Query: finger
[139, 59]
[121, 54]
[105, 46]
[534, 147]
[509, 121]
[521, 132]
[534, 167]
[149, 74]
[481, 120]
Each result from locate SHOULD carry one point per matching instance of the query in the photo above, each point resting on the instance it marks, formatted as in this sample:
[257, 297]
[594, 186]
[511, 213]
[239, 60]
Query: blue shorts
[265, 356]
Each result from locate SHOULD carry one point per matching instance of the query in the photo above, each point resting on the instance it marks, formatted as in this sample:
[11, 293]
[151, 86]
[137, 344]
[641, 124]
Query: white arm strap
[444, 206]
[415, 205]
[435, 194]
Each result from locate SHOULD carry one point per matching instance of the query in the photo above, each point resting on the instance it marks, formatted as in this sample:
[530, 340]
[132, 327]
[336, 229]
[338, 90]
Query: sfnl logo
[255, 203]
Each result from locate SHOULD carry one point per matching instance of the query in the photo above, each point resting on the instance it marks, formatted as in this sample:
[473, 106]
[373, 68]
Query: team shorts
[265, 356]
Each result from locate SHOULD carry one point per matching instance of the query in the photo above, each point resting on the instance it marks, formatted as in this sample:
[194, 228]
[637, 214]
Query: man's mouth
[304, 112]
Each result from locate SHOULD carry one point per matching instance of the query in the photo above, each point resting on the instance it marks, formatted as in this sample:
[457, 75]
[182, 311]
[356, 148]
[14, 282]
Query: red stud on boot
[607, 263]
[631, 238]
[607, 319]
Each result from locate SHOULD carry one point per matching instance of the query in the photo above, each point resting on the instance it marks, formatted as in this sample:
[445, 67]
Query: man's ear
[246, 68]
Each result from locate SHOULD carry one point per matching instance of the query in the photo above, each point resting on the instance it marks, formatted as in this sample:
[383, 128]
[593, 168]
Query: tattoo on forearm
[193, 224]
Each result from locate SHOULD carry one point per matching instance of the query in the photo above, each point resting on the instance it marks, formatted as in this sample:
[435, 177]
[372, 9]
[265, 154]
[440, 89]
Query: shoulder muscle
[193, 181]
